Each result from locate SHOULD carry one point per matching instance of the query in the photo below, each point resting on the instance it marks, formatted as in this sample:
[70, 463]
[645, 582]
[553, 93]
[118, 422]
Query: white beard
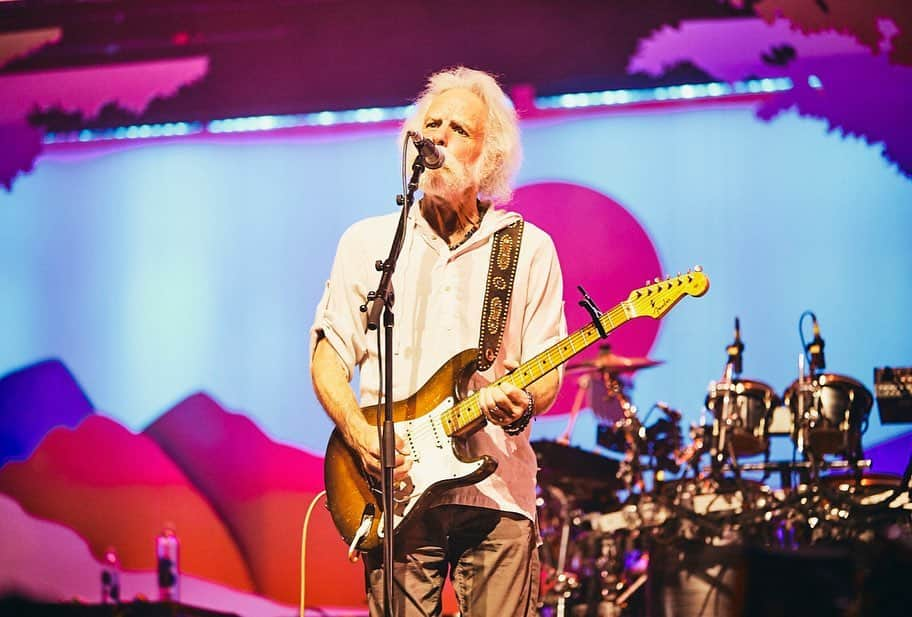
[452, 179]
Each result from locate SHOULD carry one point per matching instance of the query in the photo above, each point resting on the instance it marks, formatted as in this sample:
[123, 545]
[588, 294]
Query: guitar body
[438, 460]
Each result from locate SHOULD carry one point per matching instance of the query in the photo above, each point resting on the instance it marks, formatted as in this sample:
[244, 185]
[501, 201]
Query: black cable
[380, 393]
[405, 143]
[804, 344]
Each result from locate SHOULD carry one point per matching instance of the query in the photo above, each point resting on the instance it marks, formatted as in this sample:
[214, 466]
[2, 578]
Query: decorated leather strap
[498, 290]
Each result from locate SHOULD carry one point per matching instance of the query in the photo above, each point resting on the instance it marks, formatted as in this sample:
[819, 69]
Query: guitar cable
[302, 608]
[304, 546]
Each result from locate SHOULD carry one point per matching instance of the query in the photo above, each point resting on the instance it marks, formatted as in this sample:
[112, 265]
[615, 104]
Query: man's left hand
[503, 404]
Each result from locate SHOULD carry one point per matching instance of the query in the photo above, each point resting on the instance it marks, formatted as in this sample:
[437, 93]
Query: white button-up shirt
[439, 294]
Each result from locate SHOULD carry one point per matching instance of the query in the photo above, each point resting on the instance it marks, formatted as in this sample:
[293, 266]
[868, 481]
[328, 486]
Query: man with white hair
[482, 535]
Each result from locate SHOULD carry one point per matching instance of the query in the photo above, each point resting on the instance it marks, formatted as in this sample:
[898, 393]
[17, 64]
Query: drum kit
[603, 515]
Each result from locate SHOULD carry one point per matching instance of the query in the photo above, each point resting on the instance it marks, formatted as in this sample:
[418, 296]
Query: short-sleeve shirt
[439, 294]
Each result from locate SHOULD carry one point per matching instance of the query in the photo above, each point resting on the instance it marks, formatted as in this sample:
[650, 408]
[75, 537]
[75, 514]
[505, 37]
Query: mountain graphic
[116, 488]
[35, 399]
[236, 498]
[261, 490]
[74, 572]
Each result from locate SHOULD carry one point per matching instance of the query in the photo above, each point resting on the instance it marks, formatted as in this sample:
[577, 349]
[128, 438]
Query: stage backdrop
[171, 284]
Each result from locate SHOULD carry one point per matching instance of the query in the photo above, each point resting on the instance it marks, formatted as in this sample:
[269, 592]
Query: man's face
[455, 119]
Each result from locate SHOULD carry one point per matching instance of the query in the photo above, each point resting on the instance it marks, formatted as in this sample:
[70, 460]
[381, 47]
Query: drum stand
[582, 385]
[564, 583]
[604, 594]
[805, 421]
[722, 447]
[631, 470]
[812, 418]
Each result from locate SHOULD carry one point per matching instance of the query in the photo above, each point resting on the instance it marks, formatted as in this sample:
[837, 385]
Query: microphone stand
[816, 364]
[382, 300]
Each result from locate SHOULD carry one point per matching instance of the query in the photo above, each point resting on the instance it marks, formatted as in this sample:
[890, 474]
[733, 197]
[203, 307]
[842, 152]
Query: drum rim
[828, 378]
[750, 386]
[869, 479]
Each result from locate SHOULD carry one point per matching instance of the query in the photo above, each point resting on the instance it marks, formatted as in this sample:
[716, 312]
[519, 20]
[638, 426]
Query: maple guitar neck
[651, 301]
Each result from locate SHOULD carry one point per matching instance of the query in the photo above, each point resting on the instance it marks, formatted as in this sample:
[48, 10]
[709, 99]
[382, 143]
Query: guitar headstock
[657, 298]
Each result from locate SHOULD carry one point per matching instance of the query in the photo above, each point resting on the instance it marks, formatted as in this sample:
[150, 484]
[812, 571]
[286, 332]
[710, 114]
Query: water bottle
[167, 551]
[110, 578]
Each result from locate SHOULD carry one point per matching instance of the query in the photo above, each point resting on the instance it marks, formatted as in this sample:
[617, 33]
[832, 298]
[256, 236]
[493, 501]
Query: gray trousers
[490, 557]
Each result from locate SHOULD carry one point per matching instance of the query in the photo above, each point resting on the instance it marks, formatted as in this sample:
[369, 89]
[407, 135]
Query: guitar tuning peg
[657, 280]
[698, 268]
[679, 275]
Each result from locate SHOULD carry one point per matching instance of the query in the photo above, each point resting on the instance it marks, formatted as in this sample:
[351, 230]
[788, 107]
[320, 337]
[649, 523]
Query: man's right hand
[330, 379]
[364, 441]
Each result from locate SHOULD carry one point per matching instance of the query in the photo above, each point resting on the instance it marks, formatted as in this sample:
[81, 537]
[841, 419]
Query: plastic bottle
[110, 578]
[167, 553]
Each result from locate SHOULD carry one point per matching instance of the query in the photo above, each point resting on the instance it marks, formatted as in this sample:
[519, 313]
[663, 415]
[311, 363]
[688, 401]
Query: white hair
[501, 152]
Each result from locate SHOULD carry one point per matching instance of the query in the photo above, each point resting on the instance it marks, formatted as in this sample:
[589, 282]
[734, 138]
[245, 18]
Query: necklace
[466, 237]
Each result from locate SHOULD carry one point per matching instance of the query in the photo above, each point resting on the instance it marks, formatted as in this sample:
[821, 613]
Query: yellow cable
[304, 543]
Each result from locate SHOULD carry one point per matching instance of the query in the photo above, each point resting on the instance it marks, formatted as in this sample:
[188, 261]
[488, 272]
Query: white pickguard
[433, 459]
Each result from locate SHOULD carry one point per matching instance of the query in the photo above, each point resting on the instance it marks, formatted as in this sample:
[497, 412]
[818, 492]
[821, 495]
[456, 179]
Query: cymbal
[613, 363]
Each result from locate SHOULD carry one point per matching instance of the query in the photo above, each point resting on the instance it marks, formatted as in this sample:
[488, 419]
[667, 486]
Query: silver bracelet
[519, 425]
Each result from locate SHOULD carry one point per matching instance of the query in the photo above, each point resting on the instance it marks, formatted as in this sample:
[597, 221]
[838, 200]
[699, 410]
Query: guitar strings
[546, 361]
[551, 358]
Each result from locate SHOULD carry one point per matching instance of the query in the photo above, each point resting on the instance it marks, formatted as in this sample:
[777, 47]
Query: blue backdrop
[155, 269]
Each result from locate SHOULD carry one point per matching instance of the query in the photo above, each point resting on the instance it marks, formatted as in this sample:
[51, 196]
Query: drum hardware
[797, 465]
[587, 549]
[562, 583]
[781, 422]
[641, 513]
[619, 429]
[590, 478]
[622, 599]
[830, 414]
[741, 410]
[664, 445]
[604, 385]
[572, 481]
[830, 411]
[827, 497]
[608, 361]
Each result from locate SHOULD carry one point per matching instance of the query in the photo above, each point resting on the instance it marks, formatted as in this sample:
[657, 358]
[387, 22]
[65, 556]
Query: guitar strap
[498, 290]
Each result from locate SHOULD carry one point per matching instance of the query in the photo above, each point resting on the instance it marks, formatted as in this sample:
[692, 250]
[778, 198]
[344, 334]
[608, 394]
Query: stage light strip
[668, 93]
[371, 115]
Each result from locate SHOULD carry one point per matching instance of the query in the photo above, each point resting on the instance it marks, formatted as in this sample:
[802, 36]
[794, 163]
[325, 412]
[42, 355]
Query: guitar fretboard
[650, 301]
[467, 411]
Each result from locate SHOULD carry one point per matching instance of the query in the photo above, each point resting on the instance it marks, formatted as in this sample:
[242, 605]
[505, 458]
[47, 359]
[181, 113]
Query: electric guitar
[436, 420]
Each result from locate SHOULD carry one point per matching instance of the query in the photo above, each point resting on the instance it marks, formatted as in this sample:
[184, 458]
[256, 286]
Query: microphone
[431, 155]
[673, 414]
[736, 349]
[815, 347]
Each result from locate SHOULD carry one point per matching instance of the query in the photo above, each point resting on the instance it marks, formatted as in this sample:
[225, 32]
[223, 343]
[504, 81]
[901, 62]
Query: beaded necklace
[466, 237]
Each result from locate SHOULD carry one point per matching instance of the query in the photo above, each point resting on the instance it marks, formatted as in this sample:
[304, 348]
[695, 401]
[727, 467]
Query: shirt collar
[493, 221]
